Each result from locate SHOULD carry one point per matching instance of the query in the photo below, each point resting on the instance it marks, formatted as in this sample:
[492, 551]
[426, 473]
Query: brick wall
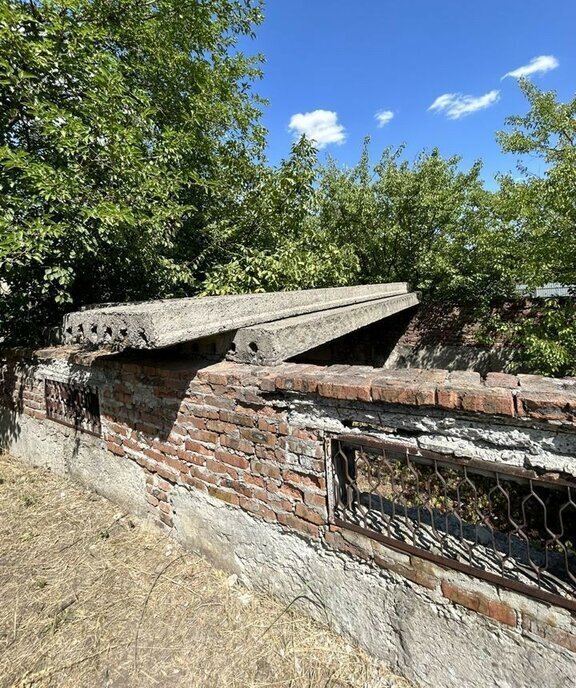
[254, 439]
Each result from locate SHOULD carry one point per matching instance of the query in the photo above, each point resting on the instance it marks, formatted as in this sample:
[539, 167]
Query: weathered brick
[266, 469]
[258, 436]
[335, 540]
[219, 493]
[203, 435]
[304, 480]
[115, 448]
[309, 514]
[231, 459]
[352, 387]
[501, 380]
[547, 406]
[236, 418]
[412, 394]
[218, 467]
[549, 632]
[490, 401]
[198, 448]
[238, 444]
[299, 524]
[258, 508]
[493, 608]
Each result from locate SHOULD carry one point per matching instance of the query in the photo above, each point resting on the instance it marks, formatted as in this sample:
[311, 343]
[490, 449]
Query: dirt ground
[92, 597]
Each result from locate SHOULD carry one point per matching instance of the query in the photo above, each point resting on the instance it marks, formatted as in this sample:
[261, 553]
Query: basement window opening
[74, 405]
[503, 524]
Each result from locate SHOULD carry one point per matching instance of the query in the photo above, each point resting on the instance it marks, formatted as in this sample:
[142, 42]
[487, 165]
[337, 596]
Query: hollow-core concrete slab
[270, 343]
[157, 324]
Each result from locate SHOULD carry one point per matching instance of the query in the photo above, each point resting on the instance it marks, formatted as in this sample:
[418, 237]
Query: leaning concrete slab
[157, 324]
[270, 343]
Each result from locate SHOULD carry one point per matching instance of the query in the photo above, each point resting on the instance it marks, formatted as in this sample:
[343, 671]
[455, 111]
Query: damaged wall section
[235, 462]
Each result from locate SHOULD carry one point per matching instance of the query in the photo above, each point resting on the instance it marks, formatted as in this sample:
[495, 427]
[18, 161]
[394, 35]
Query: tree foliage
[542, 209]
[117, 119]
[426, 222]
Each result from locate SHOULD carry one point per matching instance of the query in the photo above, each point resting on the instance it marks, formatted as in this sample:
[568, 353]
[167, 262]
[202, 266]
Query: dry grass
[91, 597]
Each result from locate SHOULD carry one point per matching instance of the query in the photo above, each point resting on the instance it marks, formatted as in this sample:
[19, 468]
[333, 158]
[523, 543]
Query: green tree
[544, 207]
[543, 211]
[426, 222]
[269, 237]
[118, 121]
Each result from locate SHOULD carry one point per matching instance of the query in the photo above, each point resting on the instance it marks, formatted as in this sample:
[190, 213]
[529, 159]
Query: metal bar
[445, 562]
[362, 441]
[488, 514]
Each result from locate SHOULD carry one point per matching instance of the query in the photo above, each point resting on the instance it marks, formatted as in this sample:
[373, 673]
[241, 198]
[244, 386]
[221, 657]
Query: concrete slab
[157, 324]
[270, 343]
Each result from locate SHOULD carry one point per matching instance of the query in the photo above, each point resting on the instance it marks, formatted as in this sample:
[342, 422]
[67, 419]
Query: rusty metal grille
[74, 405]
[507, 525]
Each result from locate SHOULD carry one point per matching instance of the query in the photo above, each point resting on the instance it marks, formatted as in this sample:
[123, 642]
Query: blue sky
[352, 60]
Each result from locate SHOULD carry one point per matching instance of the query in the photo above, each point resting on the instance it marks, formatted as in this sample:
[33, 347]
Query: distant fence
[551, 289]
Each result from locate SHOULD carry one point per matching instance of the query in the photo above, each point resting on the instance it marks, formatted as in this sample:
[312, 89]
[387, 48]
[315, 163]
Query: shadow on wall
[13, 381]
[432, 335]
[150, 391]
[450, 357]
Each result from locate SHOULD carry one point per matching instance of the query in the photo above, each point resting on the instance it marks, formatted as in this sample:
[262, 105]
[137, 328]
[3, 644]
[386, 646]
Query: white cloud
[320, 126]
[455, 105]
[537, 65]
[383, 117]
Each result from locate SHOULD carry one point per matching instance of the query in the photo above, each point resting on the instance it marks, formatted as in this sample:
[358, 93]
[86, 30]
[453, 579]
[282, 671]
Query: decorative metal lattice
[508, 525]
[74, 405]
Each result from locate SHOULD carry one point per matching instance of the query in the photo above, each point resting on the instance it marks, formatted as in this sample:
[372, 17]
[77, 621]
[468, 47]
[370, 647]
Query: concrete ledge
[271, 343]
[157, 324]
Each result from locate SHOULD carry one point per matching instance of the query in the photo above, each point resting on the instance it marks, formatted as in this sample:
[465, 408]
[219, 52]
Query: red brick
[258, 436]
[457, 595]
[313, 499]
[480, 603]
[309, 514]
[218, 467]
[412, 394]
[166, 519]
[304, 480]
[547, 405]
[221, 494]
[256, 507]
[265, 469]
[501, 612]
[353, 388]
[115, 448]
[335, 540]
[268, 424]
[501, 380]
[221, 428]
[237, 444]
[153, 501]
[490, 401]
[235, 418]
[203, 436]
[191, 457]
[231, 459]
[290, 491]
[299, 524]
[193, 446]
